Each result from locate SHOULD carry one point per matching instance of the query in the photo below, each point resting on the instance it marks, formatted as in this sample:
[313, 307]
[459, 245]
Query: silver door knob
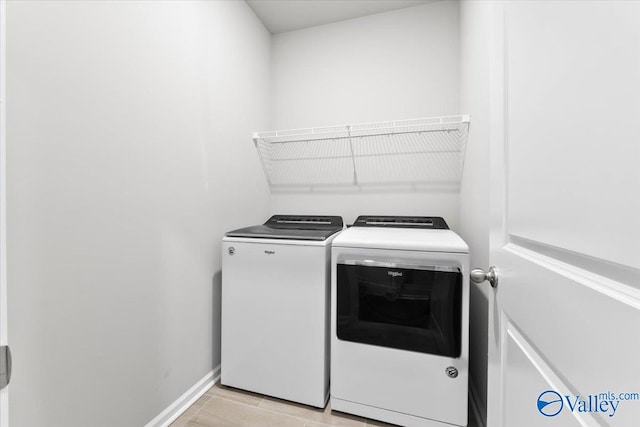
[478, 275]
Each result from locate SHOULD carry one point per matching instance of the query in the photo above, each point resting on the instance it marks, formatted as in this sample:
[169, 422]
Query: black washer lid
[292, 227]
[430, 222]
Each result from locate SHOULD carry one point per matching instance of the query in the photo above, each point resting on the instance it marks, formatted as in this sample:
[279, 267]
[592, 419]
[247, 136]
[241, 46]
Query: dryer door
[409, 307]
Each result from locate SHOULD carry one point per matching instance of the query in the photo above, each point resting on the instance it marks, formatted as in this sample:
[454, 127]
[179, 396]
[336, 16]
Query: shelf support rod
[353, 157]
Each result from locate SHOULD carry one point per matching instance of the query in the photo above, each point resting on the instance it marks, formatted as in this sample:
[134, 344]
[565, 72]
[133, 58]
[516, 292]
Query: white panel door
[564, 340]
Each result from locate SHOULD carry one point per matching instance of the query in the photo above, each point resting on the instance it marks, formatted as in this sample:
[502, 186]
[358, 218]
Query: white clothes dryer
[399, 321]
[275, 307]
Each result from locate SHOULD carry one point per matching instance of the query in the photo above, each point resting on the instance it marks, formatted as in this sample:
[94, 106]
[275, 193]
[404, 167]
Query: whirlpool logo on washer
[394, 273]
[270, 252]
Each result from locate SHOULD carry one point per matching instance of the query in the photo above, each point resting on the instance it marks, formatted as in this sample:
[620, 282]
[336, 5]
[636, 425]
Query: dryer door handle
[406, 266]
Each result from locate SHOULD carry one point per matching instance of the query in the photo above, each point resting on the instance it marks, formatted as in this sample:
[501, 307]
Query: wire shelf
[417, 152]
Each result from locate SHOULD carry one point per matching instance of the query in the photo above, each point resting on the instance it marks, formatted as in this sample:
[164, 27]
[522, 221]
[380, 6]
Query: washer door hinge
[5, 366]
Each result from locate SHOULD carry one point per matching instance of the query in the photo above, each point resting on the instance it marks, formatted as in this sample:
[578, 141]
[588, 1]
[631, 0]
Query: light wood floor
[224, 406]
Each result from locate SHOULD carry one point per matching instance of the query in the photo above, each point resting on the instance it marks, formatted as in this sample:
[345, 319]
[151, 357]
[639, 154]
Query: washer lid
[292, 227]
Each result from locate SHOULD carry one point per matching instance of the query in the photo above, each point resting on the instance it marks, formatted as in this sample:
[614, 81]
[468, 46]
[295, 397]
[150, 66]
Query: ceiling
[287, 15]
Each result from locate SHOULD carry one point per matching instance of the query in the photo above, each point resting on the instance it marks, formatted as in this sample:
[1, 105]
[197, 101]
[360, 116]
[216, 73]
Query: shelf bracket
[353, 157]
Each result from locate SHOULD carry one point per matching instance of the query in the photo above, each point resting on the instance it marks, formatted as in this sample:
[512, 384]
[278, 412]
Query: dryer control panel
[431, 222]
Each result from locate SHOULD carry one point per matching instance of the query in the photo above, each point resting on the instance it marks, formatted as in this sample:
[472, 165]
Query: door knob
[478, 275]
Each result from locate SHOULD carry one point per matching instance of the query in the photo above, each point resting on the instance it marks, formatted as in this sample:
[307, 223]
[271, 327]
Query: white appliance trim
[182, 403]
[384, 415]
[293, 242]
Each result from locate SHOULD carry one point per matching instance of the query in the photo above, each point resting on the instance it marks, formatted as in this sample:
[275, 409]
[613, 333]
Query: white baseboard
[477, 408]
[182, 403]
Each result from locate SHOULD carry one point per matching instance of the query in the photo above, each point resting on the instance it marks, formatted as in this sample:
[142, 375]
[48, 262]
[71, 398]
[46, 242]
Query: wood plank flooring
[223, 406]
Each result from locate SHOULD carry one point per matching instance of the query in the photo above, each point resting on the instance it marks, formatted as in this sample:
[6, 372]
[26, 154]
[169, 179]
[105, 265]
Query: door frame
[4, 394]
[498, 134]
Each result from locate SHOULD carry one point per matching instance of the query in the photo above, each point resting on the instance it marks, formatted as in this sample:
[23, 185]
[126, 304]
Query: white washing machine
[399, 321]
[275, 307]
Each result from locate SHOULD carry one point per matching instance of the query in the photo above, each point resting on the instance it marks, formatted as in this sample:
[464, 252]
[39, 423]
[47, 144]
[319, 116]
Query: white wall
[474, 193]
[129, 154]
[394, 65]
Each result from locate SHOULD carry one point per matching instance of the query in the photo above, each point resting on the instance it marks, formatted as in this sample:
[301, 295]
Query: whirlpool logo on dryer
[394, 273]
